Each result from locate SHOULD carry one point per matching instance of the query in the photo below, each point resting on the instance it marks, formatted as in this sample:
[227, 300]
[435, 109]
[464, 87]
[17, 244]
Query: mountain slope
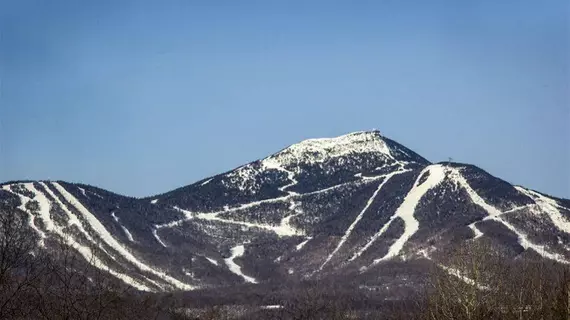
[350, 205]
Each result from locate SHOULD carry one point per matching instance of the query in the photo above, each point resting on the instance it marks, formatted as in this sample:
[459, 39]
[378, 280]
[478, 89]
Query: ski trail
[125, 230]
[44, 203]
[212, 261]
[155, 234]
[72, 219]
[291, 177]
[274, 164]
[550, 207]
[206, 182]
[520, 208]
[285, 224]
[31, 217]
[379, 233]
[527, 244]
[476, 232]
[456, 273]
[285, 227]
[282, 230]
[111, 241]
[408, 207]
[87, 253]
[83, 192]
[495, 214]
[188, 215]
[302, 244]
[363, 180]
[456, 176]
[275, 306]
[254, 204]
[90, 257]
[492, 211]
[358, 218]
[373, 239]
[238, 251]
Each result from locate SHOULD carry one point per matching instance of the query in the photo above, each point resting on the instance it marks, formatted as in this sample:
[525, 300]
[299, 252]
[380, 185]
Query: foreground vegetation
[470, 282]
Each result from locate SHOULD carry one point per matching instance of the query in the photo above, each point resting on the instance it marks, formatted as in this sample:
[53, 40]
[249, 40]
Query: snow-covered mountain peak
[360, 151]
[312, 151]
[332, 207]
[322, 161]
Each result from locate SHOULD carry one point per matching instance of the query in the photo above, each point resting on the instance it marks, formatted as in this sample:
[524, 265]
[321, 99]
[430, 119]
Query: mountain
[354, 206]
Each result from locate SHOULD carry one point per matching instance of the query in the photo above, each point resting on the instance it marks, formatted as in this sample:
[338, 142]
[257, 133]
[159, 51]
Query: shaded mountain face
[353, 206]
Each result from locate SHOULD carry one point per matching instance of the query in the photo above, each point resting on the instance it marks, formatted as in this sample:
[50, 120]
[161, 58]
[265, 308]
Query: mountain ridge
[328, 207]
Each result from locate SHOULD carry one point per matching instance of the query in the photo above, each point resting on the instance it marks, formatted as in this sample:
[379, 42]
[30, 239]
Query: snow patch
[95, 194]
[188, 273]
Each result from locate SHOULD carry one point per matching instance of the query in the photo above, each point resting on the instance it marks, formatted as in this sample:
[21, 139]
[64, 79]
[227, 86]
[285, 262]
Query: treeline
[471, 282]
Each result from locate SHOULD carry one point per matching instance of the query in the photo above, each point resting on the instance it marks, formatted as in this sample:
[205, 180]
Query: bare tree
[476, 281]
[21, 265]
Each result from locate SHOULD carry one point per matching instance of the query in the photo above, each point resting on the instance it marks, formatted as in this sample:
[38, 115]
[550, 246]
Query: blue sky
[140, 97]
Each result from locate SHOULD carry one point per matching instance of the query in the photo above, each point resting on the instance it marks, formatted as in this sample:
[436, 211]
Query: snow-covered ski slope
[105, 241]
[237, 252]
